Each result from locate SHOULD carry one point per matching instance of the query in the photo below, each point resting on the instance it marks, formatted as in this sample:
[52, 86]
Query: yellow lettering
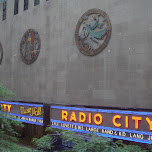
[137, 119]
[126, 122]
[114, 120]
[82, 117]
[32, 111]
[150, 123]
[89, 117]
[73, 117]
[98, 122]
[9, 108]
[4, 105]
[64, 115]
[22, 110]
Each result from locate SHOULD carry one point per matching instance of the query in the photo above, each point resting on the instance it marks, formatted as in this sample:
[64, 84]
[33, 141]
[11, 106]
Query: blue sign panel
[119, 124]
[24, 112]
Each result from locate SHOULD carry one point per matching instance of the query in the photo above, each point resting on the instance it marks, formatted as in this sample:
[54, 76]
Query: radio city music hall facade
[79, 65]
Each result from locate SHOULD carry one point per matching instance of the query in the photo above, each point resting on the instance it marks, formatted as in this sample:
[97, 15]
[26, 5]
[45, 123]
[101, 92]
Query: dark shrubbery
[88, 143]
[8, 135]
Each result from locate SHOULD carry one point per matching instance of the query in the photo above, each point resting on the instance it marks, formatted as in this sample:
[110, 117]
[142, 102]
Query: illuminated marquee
[32, 111]
[28, 113]
[119, 124]
[6, 107]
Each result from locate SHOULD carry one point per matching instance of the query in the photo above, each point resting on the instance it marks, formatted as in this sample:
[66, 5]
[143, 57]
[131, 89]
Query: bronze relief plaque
[93, 32]
[1, 53]
[30, 46]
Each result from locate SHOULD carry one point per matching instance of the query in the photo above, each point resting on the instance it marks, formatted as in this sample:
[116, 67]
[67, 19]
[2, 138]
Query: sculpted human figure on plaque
[93, 32]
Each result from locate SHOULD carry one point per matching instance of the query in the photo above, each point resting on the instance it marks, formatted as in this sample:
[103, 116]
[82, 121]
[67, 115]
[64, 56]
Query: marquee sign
[119, 124]
[28, 113]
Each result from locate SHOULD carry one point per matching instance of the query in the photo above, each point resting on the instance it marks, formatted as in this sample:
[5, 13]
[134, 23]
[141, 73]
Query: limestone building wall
[119, 76]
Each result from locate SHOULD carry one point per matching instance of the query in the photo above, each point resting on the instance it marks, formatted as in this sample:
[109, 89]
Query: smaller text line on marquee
[24, 112]
[120, 124]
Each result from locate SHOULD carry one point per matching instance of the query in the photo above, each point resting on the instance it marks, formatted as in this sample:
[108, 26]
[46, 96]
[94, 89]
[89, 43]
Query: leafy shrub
[8, 146]
[5, 93]
[43, 142]
[149, 147]
[121, 147]
[130, 148]
[7, 132]
[53, 130]
[93, 143]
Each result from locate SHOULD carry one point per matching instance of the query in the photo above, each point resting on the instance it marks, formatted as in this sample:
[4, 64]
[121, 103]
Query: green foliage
[93, 143]
[53, 130]
[46, 142]
[121, 147]
[8, 135]
[43, 142]
[8, 146]
[130, 148]
[149, 147]
[79, 143]
[5, 93]
[99, 144]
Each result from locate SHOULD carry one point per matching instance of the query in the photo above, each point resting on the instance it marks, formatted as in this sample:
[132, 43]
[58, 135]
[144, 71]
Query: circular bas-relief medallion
[93, 32]
[1, 53]
[30, 46]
